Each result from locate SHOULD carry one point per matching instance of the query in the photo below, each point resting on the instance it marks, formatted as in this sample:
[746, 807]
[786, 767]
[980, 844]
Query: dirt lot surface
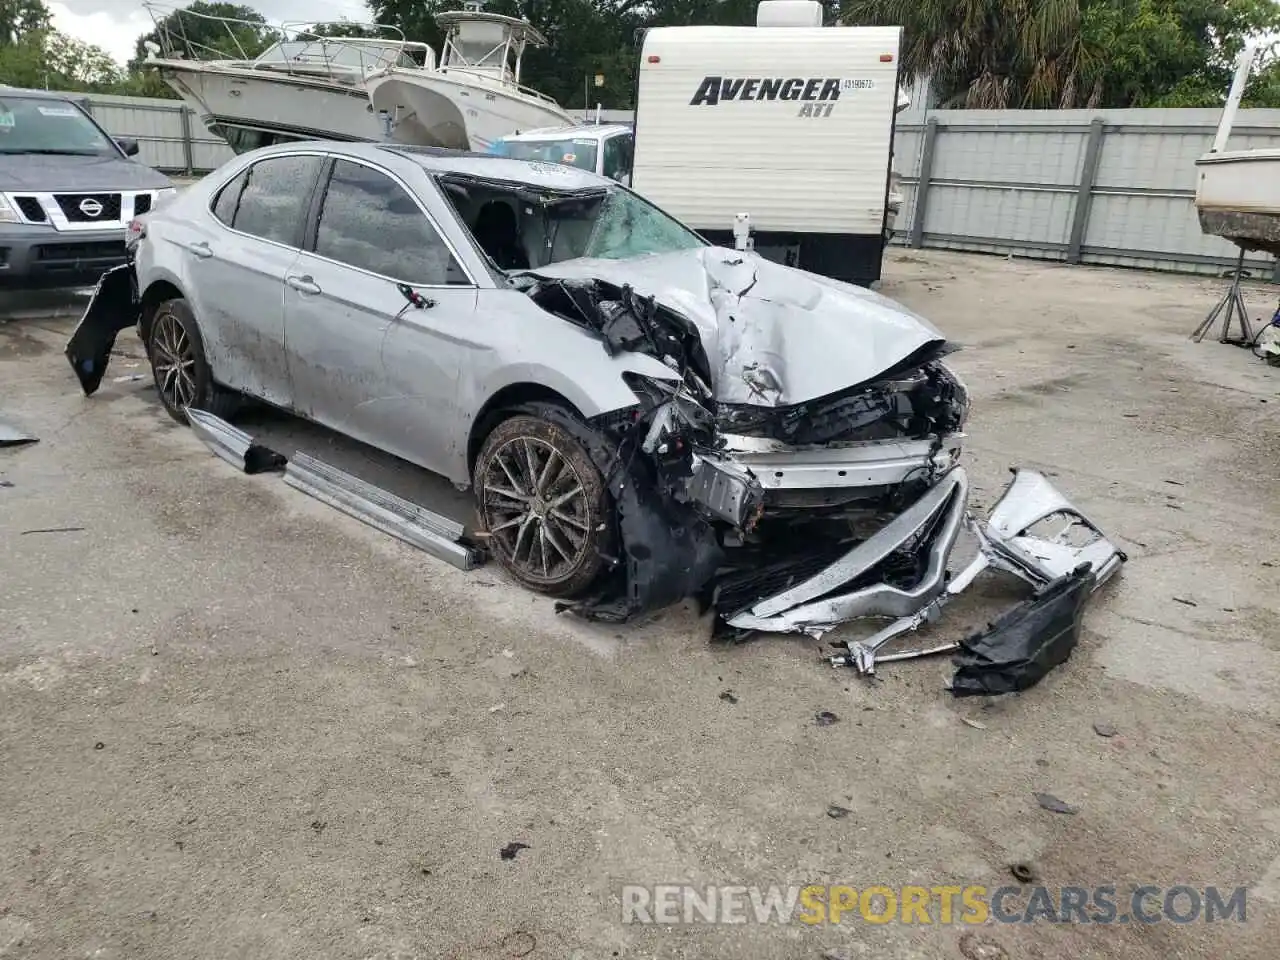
[234, 723]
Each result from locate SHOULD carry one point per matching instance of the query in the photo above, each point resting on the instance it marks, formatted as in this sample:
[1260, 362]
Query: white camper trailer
[788, 122]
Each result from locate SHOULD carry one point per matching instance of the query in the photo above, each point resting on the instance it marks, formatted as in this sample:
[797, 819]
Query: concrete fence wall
[170, 136]
[1081, 186]
[1111, 187]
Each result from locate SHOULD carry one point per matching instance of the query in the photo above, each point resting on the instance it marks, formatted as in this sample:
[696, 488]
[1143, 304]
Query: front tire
[178, 364]
[544, 505]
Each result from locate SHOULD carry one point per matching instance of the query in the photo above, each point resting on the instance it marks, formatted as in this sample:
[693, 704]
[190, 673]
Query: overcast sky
[115, 25]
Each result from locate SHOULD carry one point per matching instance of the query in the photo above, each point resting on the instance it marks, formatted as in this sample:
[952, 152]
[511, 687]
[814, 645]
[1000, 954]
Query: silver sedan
[627, 402]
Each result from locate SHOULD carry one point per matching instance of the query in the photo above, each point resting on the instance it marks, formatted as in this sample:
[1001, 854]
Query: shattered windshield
[522, 227]
[626, 226]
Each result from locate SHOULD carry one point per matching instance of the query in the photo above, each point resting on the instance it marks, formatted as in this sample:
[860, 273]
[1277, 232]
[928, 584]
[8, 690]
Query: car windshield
[47, 125]
[521, 227]
[580, 152]
[618, 226]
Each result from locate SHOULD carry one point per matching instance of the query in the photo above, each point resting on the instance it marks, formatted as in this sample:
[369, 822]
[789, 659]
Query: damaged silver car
[642, 417]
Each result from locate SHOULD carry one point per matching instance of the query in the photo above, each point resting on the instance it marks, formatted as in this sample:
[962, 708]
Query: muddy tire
[544, 505]
[182, 375]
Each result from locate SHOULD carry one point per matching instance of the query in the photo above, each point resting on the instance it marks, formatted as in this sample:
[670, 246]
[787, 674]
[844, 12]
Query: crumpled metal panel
[1031, 499]
[1005, 544]
[774, 335]
[941, 507]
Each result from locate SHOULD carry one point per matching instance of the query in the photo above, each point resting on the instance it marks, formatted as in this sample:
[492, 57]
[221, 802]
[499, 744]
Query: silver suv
[67, 191]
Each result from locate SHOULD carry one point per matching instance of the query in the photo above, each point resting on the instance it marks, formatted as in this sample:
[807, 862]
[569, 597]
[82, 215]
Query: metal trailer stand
[1231, 305]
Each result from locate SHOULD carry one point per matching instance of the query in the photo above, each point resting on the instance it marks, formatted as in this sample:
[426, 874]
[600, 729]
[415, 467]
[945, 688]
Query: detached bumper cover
[1034, 533]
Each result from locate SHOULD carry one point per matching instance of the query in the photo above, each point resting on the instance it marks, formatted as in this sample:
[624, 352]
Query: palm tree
[992, 54]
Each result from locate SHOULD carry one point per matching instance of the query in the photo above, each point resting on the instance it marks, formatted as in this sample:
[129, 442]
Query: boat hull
[1238, 197]
[299, 106]
[436, 111]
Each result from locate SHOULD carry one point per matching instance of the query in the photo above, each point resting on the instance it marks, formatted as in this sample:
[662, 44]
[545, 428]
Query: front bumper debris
[868, 581]
[1025, 642]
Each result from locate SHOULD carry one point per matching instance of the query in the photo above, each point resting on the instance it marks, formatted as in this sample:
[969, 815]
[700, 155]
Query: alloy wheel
[174, 361]
[536, 509]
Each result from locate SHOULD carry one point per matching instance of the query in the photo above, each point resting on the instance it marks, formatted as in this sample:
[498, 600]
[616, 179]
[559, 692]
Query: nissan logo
[90, 207]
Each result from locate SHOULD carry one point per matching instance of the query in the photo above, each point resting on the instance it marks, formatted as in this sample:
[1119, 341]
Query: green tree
[51, 60]
[19, 17]
[203, 30]
[347, 28]
[586, 38]
[1072, 53]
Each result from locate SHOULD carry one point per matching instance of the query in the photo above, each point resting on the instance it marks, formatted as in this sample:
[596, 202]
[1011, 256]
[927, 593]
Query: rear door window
[370, 222]
[270, 199]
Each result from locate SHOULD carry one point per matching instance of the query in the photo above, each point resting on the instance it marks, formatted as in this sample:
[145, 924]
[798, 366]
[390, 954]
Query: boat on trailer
[474, 96]
[1238, 191]
[300, 87]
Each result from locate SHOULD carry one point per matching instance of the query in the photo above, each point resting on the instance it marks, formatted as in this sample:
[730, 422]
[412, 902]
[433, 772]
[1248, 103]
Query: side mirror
[128, 145]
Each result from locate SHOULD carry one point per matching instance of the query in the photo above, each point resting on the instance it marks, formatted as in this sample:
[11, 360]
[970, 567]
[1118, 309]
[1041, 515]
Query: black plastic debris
[115, 306]
[1105, 729]
[837, 812]
[511, 849]
[728, 696]
[825, 718]
[1024, 643]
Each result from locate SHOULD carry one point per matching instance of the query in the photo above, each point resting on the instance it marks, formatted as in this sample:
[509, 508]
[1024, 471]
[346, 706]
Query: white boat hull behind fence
[303, 106]
[464, 114]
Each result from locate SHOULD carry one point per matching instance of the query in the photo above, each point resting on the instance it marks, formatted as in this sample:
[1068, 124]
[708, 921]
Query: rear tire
[544, 504]
[178, 364]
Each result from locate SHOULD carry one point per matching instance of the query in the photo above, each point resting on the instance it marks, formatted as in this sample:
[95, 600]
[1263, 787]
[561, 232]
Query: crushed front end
[723, 501]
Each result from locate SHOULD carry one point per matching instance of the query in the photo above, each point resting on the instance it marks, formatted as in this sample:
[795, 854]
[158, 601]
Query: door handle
[200, 249]
[304, 284]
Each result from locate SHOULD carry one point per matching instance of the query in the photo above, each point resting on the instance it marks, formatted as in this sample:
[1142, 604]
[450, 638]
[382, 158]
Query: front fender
[595, 390]
[115, 305]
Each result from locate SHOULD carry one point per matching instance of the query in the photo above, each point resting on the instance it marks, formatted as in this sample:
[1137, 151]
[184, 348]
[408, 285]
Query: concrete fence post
[188, 150]
[1084, 189]
[921, 207]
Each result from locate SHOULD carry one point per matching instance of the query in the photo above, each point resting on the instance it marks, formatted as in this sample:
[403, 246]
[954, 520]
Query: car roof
[6, 90]
[438, 161]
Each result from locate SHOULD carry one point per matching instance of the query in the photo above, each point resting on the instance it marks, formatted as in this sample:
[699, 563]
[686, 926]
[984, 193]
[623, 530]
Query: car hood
[52, 173]
[774, 335]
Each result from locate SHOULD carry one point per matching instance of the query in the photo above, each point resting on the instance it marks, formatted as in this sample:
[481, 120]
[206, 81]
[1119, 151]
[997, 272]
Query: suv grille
[90, 207]
[31, 209]
[141, 204]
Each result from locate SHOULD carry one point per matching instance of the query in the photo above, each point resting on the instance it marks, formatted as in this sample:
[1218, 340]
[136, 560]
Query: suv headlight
[7, 212]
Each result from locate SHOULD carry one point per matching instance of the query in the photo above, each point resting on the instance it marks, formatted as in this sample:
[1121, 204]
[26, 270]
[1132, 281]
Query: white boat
[1238, 191]
[474, 97]
[301, 87]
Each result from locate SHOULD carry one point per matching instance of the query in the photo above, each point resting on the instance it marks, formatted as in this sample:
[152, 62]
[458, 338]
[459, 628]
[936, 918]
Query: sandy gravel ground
[236, 724]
